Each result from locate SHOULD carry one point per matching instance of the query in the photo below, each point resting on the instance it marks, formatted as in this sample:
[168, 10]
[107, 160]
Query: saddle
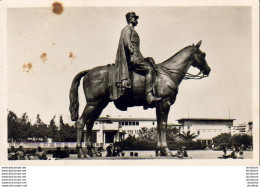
[121, 94]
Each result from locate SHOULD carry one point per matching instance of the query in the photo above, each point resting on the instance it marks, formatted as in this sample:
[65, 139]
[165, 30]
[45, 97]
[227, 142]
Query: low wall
[49, 145]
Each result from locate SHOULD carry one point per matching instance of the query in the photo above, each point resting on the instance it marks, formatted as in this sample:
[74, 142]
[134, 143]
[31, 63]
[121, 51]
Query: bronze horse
[96, 88]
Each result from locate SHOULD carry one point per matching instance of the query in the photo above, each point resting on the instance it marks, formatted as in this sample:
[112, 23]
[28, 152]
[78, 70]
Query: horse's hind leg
[79, 126]
[90, 114]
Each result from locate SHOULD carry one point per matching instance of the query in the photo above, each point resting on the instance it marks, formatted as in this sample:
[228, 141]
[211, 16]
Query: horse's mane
[173, 58]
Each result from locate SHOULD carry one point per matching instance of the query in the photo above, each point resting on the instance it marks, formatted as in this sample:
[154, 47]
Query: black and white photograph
[154, 84]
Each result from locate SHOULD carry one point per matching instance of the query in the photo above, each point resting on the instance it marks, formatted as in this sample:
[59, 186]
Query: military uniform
[129, 57]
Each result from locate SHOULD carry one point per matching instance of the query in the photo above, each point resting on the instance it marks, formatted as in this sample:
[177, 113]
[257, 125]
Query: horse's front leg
[159, 133]
[162, 111]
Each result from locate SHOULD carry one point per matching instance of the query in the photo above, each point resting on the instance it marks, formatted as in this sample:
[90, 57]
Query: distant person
[66, 152]
[156, 152]
[179, 153]
[234, 153]
[20, 153]
[57, 153]
[224, 150]
[12, 155]
[109, 150]
[183, 149]
[241, 151]
[99, 150]
[115, 149]
[119, 151]
[41, 154]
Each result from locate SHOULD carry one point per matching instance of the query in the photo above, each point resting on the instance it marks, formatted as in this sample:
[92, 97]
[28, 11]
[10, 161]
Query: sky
[46, 51]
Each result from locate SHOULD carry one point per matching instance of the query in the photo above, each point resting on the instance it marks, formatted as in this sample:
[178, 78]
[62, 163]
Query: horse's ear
[198, 44]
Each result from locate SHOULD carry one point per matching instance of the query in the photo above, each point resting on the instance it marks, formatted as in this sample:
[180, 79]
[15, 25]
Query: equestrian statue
[134, 81]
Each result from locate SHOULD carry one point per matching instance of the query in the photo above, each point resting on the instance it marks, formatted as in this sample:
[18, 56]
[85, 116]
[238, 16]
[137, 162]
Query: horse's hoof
[81, 154]
[166, 152]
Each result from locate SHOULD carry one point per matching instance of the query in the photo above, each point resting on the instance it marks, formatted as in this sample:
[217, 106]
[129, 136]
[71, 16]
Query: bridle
[187, 75]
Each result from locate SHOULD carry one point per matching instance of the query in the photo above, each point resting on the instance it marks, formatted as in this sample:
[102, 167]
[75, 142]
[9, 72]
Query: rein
[187, 75]
[191, 76]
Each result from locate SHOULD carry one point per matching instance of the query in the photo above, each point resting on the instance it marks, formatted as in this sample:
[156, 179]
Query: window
[133, 122]
[137, 123]
[126, 123]
[198, 132]
[123, 123]
[153, 122]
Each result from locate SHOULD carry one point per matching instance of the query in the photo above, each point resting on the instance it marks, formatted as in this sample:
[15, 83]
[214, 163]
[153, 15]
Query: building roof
[132, 119]
[174, 124]
[205, 119]
[103, 118]
[125, 119]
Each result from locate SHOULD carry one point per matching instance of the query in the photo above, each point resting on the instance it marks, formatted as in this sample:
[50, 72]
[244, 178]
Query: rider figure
[130, 57]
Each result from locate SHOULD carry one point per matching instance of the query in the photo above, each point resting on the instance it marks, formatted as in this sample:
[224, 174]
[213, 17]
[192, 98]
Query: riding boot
[150, 98]
[152, 62]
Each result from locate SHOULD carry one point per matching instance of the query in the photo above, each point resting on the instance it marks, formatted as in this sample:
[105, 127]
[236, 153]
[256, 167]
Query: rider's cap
[130, 15]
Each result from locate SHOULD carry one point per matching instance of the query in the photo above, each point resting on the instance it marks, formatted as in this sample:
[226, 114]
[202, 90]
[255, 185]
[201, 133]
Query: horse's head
[199, 60]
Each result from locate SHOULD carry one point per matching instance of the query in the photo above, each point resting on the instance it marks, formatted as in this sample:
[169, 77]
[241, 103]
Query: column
[84, 137]
[104, 139]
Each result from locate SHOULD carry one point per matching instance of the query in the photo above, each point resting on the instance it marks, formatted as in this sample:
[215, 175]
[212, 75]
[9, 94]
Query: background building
[245, 128]
[107, 130]
[206, 128]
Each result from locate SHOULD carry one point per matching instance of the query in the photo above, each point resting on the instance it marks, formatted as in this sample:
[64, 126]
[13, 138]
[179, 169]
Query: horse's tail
[74, 96]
